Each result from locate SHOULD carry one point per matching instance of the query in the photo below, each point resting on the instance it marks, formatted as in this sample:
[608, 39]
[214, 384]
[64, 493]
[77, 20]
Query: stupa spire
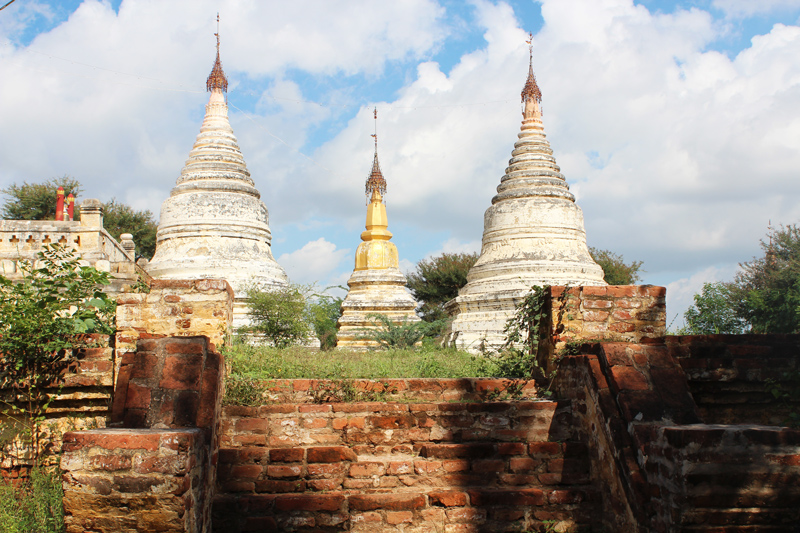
[531, 95]
[217, 78]
[376, 184]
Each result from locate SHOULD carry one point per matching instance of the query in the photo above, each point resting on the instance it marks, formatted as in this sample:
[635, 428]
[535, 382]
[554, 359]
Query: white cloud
[314, 262]
[680, 293]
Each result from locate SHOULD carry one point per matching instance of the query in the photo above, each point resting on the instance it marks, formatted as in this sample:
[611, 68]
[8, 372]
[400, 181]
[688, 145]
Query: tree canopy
[436, 281]
[764, 297]
[615, 270]
[37, 201]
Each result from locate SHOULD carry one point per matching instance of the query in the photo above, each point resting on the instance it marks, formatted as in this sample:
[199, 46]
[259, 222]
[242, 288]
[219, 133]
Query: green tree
[766, 293]
[713, 311]
[119, 218]
[615, 270]
[43, 317]
[37, 201]
[279, 314]
[437, 280]
[324, 311]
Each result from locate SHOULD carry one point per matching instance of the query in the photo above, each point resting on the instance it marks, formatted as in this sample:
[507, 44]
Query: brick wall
[728, 373]
[389, 466]
[627, 313]
[659, 469]
[179, 308]
[161, 474]
[81, 403]
[129, 481]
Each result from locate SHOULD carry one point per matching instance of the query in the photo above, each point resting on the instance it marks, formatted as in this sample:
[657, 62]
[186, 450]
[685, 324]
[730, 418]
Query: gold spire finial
[531, 88]
[217, 79]
[375, 182]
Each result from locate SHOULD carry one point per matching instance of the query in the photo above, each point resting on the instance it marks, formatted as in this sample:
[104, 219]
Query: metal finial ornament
[217, 79]
[531, 88]
[375, 181]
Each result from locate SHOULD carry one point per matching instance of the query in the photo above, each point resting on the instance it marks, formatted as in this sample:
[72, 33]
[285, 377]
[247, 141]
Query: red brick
[400, 467]
[301, 385]
[426, 467]
[506, 497]
[386, 502]
[280, 486]
[448, 498]
[511, 448]
[330, 454]
[594, 291]
[392, 422]
[625, 291]
[182, 372]
[456, 465]
[111, 440]
[170, 464]
[315, 423]
[595, 316]
[276, 408]
[326, 469]
[286, 455]
[522, 464]
[597, 304]
[281, 471]
[621, 315]
[138, 397]
[566, 496]
[466, 514]
[399, 517]
[622, 327]
[628, 378]
[185, 346]
[309, 502]
[246, 472]
[488, 466]
[324, 484]
[452, 451]
[339, 423]
[252, 425]
[548, 448]
[367, 469]
[315, 408]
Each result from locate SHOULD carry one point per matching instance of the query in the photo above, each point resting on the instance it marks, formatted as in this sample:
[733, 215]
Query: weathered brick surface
[134, 480]
[728, 373]
[403, 466]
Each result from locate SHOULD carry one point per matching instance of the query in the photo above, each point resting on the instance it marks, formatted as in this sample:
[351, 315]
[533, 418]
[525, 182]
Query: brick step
[713, 517]
[402, 468]
[459, 510]
[355, 424]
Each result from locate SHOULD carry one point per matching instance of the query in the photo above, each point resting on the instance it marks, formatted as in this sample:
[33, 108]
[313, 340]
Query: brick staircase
[436, 467]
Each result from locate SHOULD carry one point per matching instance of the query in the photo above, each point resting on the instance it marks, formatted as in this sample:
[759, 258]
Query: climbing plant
[44, 317]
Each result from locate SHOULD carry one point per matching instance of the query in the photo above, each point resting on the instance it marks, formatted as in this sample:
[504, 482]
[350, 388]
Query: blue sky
[677, 124]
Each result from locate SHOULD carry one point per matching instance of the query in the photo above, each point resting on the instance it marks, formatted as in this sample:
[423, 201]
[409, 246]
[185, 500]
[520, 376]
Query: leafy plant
[615, 270]
[119, 218]
[712, 312]
[436, 281]
[324, 311]
[43, 317]
[523, 354]
[240, 390]
[36, 201]
[345, 391]
[403, 334]
[34, 505]
[278, 314]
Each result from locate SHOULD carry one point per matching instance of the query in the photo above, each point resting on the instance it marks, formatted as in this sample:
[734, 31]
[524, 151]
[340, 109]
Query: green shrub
[35, 505]
[404, 334]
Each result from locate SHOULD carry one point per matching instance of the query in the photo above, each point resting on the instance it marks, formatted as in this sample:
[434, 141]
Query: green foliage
[278, 314]
[404, 334]
[324, 311]
[712, 312]
[344, 390]
[766, 293]
[519, 356]
[37, 201]
[36, 505]
[437, 280]
[787, 392]
[242, 390]
[120, 218]
[42, 317]
[615, 270]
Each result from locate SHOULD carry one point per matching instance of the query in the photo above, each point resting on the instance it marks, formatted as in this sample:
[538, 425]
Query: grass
[34, 505]
[296, 362]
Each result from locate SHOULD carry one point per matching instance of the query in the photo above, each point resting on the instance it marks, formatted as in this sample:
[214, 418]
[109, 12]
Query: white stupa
[214, 224]
[533, 235]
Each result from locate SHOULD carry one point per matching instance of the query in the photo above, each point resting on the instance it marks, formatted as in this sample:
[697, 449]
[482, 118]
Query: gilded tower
[376, 286]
